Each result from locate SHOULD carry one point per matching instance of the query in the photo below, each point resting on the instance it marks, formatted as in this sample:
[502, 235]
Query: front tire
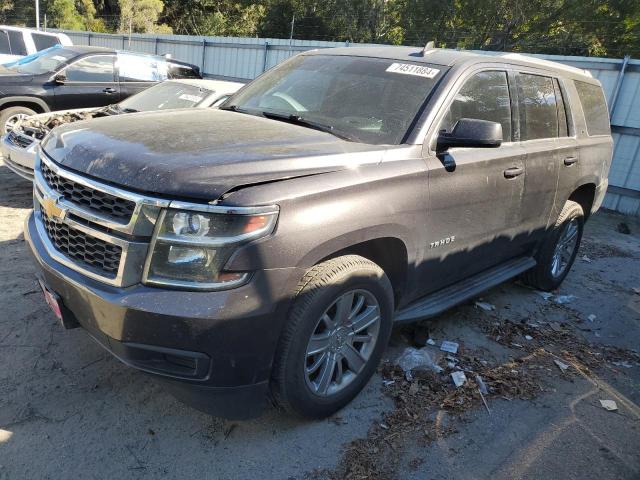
[559, 249]
[10, 116]
[337, 330]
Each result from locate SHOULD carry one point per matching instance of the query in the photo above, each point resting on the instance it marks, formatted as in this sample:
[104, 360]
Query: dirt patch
[548, 352]
[596, 250]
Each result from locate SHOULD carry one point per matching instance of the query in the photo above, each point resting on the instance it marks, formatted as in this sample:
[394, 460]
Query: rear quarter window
[594, 107]
[42, 41]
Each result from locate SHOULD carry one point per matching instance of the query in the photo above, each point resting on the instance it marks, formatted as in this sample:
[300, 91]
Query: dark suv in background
[61, 78]
[270, 245]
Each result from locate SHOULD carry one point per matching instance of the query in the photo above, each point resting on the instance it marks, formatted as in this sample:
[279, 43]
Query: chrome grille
[91, 199]
[92, 252]
[19, 140]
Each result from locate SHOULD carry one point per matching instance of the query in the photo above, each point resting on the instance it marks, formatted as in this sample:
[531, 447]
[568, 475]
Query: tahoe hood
[199, 153]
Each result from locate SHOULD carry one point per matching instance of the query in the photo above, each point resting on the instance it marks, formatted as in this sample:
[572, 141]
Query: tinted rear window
[17, 43]
[537, 103]
[594, 107]
[42, 41]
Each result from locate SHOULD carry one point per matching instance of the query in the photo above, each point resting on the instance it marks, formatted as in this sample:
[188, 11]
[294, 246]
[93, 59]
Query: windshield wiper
[298, 120]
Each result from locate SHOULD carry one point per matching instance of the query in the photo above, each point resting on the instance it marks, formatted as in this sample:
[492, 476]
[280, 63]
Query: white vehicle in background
[18, 42]
[19, 146]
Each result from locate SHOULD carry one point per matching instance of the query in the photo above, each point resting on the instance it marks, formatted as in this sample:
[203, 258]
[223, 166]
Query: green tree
[63, 14]
[141, 16]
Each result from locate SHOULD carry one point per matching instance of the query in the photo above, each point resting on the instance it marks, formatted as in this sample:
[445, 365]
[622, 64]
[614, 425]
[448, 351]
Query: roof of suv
[447, 57]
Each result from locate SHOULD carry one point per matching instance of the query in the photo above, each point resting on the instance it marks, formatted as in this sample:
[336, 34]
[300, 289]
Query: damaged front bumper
[19, 154]
[212, 350]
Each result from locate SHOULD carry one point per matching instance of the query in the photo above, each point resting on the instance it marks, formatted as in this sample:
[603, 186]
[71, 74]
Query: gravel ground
[68, 409]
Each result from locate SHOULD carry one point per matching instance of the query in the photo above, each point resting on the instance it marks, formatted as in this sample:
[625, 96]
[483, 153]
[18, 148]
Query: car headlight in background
[190, 248]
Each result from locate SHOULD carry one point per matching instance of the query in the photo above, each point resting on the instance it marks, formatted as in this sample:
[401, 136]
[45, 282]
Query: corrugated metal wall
[246, 58]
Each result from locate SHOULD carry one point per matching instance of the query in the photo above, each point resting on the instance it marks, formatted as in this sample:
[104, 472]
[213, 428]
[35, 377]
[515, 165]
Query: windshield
[369, 100]
[164, 96]
[45, 61]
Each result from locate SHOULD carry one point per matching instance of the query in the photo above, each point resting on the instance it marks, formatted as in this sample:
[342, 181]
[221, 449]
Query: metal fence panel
[246, 58]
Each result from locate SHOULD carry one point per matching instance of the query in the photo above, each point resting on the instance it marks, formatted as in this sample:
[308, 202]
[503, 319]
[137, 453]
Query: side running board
[448, 297]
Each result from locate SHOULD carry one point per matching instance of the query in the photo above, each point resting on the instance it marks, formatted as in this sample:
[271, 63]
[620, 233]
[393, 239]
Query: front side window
[365, 99]
[140, 68]
[537, 104]
[594, 107]
[43, 41]
[485, 96]
[17, 43]
[98, 68]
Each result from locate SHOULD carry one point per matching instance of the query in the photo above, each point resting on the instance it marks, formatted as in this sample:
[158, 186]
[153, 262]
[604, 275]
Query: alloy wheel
[565, 248]
[342, 342]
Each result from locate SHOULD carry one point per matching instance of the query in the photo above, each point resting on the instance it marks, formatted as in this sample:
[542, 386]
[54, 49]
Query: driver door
[475, 206]
[89, 82]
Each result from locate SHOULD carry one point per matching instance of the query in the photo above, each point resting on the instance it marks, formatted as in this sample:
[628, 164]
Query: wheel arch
[389, 253]
[584, 196]
[34, 103]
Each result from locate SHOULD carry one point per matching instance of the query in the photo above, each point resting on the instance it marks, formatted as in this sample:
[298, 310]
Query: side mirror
[60, 78]
[471, 133]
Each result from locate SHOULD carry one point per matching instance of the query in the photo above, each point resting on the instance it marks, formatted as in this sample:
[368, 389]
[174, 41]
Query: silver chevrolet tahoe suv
[265, 249]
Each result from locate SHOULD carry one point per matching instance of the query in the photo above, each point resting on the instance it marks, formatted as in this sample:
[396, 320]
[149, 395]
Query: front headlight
[190, 248]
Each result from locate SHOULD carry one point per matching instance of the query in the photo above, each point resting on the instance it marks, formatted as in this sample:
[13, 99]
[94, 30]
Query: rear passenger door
[539, 126]
[89, 82]
[474, 207]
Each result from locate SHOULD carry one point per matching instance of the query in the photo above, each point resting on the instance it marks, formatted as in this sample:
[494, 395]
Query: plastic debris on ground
[562, 299]
[431, 341]
[447, 346]
[388, 382]
[528, 337]
[591, 317]
[459, 378]
[561, 365]
[622, 364]
[487, 307]
[609, 405]
[481, 385]
[586, 259]
[417, 359]
[545, 295]
[636, 291]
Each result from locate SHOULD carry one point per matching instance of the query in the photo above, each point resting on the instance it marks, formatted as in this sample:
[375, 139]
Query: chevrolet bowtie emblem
[53, 211]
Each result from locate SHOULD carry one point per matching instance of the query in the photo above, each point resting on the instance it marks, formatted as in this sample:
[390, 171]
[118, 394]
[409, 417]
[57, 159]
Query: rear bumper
[19, 160]
[214, 350]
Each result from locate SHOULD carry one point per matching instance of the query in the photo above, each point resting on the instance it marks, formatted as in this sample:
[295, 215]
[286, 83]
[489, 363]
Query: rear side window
[17, 43]
[5, 48]
[537, 104]
[138, 68]
[98, 68]
[485, 96]
[594, 107]
[44, 41]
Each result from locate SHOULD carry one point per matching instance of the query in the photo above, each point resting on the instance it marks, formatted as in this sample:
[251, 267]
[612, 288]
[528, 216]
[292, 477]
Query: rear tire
[9, 117]
[558, 250]
[337, 329]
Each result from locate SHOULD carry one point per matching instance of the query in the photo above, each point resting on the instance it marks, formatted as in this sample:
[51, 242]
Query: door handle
[513, 172]
[109, 90]
[570, 161]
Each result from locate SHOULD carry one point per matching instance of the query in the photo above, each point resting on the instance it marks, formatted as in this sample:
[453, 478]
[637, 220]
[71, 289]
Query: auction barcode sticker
[410, 69]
